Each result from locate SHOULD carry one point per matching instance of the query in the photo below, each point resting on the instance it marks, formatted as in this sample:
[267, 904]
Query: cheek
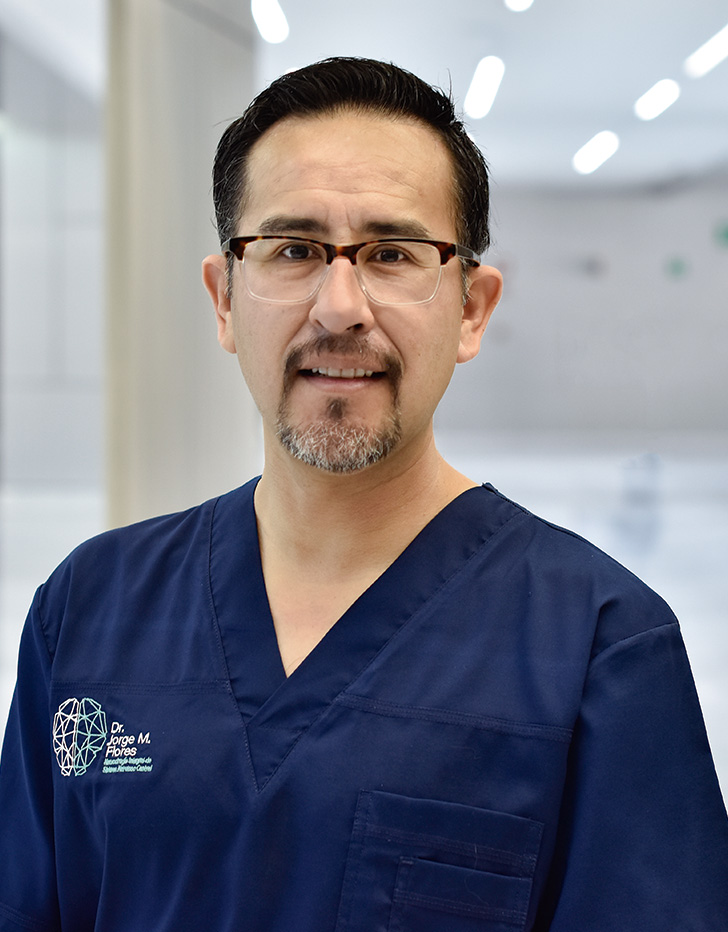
[431, 364]
[263, 338]
[252, 344]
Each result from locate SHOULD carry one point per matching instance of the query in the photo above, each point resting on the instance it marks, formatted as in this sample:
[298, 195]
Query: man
[363, 692]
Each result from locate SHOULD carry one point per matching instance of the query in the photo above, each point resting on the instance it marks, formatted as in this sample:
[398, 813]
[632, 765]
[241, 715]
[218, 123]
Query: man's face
[341, 381]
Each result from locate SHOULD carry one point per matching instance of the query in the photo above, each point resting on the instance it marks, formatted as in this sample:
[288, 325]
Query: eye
[296, 251]
[389, 253]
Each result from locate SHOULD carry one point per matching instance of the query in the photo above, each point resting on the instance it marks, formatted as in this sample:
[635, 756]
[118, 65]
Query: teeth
[343, 373]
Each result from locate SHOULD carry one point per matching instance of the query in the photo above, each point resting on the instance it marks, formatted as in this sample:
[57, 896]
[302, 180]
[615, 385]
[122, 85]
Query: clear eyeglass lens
[284, 270]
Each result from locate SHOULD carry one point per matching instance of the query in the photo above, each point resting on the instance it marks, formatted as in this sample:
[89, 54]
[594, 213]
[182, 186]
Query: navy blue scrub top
[501, 734]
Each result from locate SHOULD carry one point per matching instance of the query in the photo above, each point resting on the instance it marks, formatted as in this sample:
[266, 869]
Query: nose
[340, 303]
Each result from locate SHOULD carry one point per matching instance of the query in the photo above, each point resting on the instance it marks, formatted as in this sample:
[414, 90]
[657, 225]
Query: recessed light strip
[270, 20]
[484, 86]
[655, 101]
[595, 152]
[710, 54]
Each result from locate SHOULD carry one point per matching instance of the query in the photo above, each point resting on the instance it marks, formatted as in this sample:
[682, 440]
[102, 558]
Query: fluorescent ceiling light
[708, 55]
[655, 101]
[484, 87]
[518, 6]
[270, 20]
[595, 152]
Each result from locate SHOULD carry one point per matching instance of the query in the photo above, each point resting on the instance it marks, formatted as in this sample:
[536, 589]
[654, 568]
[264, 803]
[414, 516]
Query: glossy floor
[658, 504]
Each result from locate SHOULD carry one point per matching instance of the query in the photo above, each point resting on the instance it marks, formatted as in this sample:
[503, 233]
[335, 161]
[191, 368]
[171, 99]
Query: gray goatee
[330, 443]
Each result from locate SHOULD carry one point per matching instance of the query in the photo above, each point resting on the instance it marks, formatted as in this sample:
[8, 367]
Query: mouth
[341, 363]
[333, 373]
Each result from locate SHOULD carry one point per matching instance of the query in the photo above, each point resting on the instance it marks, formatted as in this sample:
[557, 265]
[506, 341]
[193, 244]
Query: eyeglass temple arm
[234, 246]
[463, 252]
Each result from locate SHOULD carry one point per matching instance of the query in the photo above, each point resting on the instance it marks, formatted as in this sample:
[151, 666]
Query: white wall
[180, 424]
[112, 379]
[51, 275]
[614, 316]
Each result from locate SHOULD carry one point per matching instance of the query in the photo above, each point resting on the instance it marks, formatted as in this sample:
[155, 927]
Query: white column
[181, 425]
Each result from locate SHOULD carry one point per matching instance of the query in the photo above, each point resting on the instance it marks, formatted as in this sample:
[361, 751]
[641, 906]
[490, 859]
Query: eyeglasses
[290, 270]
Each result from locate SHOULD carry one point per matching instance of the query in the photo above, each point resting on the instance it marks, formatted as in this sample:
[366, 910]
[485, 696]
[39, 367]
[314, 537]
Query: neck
[310, 518]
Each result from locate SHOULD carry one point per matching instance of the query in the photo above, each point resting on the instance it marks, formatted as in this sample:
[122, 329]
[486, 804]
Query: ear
[214, 278]
[484, 292]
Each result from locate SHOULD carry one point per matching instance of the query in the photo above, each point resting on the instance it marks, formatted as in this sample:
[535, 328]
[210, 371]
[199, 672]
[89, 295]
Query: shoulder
[156, 560]
[125, 547]
[578, 578]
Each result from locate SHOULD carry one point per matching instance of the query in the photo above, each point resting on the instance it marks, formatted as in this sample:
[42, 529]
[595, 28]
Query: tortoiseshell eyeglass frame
[236, 245]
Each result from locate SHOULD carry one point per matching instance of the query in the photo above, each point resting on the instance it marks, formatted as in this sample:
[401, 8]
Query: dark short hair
[358, 84]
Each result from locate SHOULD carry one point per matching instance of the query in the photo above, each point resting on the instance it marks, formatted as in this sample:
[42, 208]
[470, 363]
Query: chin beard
[335, 446]
[330, 443]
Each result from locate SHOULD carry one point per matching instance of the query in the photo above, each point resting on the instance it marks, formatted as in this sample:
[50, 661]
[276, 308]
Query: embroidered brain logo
[79, 733]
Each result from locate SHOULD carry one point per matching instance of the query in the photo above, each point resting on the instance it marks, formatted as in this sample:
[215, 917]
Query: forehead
[346, 171]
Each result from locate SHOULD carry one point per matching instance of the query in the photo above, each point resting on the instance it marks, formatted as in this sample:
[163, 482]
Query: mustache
[345, 344]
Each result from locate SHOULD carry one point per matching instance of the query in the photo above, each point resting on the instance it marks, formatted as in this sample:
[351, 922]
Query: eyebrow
[407, 228]
[281, 224]
[285, 224]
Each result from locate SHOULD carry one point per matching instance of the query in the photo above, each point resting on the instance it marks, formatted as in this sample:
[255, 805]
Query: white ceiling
[573, 68]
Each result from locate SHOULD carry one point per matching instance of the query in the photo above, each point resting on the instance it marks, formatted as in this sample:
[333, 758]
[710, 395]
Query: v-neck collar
[277, 710]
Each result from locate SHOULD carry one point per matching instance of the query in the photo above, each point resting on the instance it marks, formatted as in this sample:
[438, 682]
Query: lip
[342, 369]
[341, 362]
[333, 372]
[343, 379]
[335, 365]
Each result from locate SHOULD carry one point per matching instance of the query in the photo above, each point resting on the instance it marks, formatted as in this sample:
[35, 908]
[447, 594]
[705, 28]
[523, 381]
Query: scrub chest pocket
[423, 865]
